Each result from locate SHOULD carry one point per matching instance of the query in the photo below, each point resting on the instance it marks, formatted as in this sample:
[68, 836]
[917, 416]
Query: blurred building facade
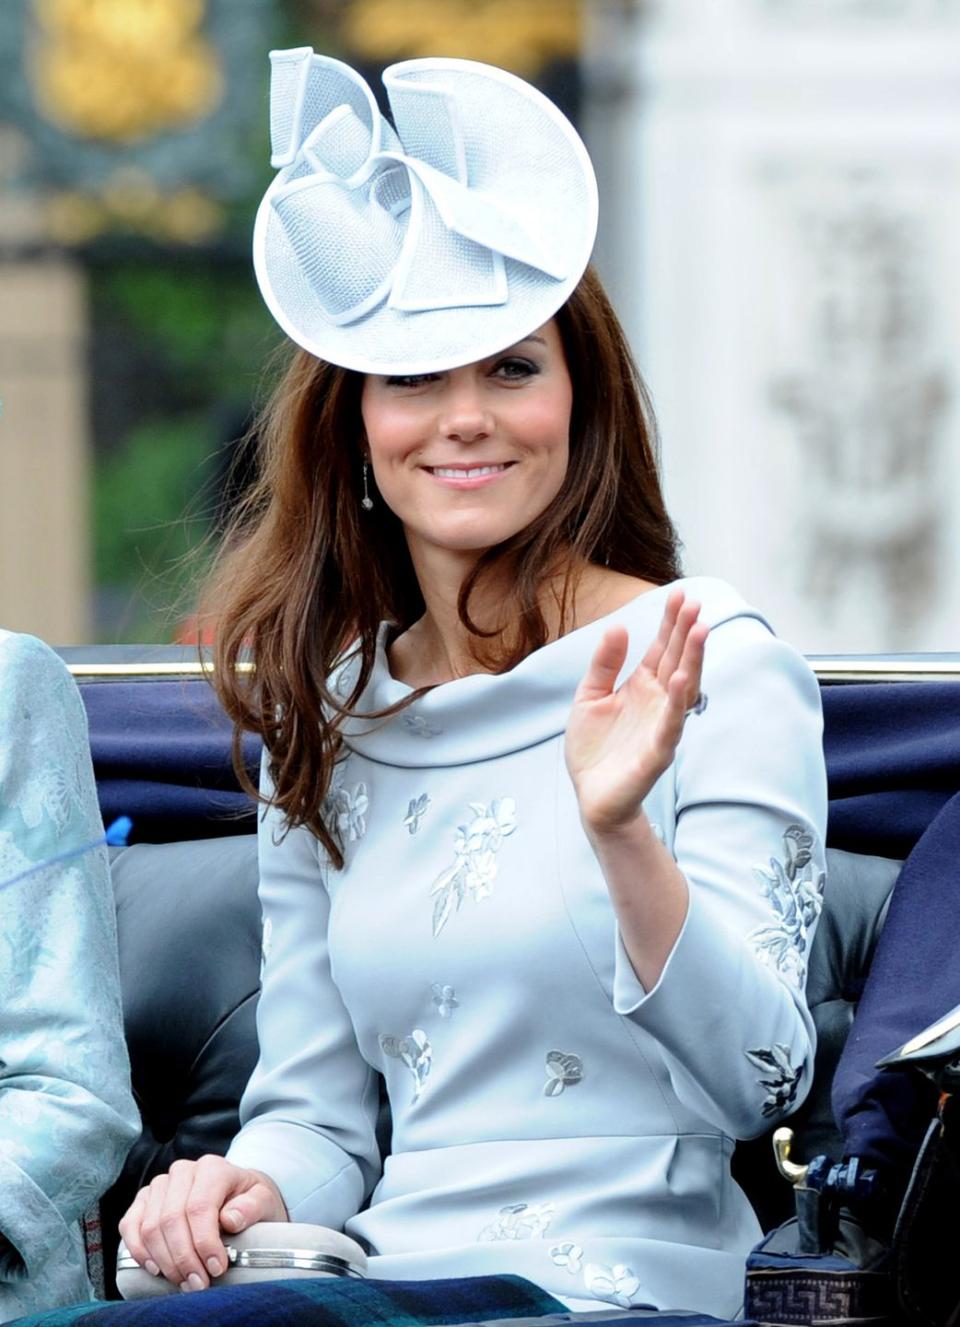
[781, 182]
[124, 143]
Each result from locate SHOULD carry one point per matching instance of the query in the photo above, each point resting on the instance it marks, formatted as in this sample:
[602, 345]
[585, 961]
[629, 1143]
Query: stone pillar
[44, 451]
[786, 181]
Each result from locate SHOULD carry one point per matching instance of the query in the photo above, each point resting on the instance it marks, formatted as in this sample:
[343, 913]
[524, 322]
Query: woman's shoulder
[720, 602]
[31, 671]
[744, 655]
[742, 638]
[28, 657]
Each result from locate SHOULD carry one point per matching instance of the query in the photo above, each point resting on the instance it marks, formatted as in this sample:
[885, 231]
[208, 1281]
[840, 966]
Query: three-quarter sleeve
[749, 786]
[67, 1116]
[309, 1112]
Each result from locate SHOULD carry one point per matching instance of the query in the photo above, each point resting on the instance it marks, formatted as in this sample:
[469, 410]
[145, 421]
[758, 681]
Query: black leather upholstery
[857, 900]
[188, 924]
[189, 932]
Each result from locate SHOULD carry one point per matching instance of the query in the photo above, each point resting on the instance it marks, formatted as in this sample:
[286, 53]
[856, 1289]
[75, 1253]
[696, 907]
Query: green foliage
[208, 325]
[151, 502]
[184, 344]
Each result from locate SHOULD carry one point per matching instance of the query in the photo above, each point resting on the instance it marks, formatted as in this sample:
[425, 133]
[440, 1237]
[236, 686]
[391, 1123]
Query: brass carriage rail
[829, 669]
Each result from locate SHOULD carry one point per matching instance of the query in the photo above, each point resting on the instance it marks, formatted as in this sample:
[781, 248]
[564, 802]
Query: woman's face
[470, 456]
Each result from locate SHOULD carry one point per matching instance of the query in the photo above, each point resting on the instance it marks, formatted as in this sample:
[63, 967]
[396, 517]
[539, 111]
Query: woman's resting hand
[173, 1226]
[621, 739]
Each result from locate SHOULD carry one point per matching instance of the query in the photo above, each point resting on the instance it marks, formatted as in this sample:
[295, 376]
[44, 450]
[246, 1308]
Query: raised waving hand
[621, 739]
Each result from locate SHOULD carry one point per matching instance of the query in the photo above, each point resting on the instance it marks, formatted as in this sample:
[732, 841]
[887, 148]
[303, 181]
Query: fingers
[670, 724]
[659, 644]
[690, 666]
[243, 1209]
[202, 1211]
[151, 1230]
[686, 616]
[683, 685]
[604, 668]
[175, 1250]
[129, 1228]
[678, 645]
[173, 1225]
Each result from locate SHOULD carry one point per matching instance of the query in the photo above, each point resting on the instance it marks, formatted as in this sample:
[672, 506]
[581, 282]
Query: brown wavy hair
[303, 570]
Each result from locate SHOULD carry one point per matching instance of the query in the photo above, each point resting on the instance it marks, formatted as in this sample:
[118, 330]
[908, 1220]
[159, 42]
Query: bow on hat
[416, 217]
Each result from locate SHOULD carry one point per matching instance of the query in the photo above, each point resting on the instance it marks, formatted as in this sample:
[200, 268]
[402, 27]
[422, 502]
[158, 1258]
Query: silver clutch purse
[268, 1251]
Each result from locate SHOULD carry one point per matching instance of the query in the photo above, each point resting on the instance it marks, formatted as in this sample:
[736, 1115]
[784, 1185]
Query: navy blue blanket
[321, 1302]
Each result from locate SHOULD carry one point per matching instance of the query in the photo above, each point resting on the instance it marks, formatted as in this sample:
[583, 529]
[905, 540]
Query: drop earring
[366, 502]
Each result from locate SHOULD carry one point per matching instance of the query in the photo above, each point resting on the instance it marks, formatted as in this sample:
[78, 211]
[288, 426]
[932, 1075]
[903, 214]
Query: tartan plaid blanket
[345, 1303]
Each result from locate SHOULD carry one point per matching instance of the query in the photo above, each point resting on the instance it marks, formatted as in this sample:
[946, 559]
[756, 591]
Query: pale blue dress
[67, 1117]
[551, 1118]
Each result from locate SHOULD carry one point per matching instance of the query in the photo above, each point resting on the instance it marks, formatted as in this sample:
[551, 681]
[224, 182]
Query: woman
[537, 851]
[67, 1117]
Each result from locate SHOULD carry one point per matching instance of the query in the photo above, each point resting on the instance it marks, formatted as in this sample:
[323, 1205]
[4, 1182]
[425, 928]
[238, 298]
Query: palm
[620, 740]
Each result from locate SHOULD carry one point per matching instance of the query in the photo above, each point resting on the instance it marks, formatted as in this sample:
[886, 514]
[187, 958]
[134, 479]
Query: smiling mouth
[467, 472]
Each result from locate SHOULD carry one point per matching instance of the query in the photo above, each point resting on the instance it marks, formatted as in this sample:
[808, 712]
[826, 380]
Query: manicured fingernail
[184, 1288]
[152, 1267]
[234, 1217]
[195, 1281]
[213, 1266]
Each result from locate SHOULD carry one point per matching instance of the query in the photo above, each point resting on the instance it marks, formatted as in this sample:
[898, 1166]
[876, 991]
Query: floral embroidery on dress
[782, 1079]
[617, 1284]
[569, 1256]
[519, 1221]
[416, 1053]
[416, 810]
[345, 809]
[563, 1071]
[445, 1000]
[799, 845]
[419, 726]
[796, 897]
[475, 867]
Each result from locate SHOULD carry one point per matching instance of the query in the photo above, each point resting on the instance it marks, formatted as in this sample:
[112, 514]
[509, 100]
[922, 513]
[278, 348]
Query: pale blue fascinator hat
[419, 247]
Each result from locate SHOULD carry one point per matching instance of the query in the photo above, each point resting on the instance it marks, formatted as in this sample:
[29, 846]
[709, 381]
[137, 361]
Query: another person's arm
[67, 1117]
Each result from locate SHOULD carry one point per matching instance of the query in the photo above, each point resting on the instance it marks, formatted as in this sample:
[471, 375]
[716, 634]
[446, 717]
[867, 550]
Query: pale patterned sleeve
[67, 1116]
[729, 1010]
[309, 1112]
